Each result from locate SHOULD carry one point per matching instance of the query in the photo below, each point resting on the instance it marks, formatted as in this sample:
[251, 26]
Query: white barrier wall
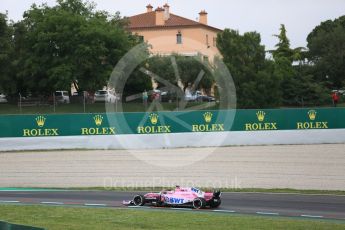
[176, 140]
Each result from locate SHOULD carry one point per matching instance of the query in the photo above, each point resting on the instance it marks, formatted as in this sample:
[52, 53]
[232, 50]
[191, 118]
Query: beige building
[168, 33]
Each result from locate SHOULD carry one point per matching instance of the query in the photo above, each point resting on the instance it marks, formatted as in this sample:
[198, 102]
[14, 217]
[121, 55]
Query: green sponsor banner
[289, 119]
[170, 122]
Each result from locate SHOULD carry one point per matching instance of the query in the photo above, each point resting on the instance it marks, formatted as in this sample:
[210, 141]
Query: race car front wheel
[199, 203]
[139, 200]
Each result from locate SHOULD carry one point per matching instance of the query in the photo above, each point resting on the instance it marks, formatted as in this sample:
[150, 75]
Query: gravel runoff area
[320, 167]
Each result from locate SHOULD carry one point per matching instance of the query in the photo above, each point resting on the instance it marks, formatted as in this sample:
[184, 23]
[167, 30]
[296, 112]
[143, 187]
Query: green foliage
[301, 89]
[6, 52]
[73, 43]
[188, 69]
[326, 45]
[68, 43]
[263, 83]
[256, 86]
[298, 86]
[162, 67]
[283, 47]
[137, 83]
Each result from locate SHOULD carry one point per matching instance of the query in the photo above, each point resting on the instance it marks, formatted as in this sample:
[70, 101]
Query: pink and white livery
[178, 197]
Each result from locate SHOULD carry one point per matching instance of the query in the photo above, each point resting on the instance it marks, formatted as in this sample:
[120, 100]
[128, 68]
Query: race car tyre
[199, 203]
[139, 200]
[215, 204]
[159, 202]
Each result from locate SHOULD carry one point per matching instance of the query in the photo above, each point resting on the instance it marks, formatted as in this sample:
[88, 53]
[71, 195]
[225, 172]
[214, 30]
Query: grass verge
[106, 218]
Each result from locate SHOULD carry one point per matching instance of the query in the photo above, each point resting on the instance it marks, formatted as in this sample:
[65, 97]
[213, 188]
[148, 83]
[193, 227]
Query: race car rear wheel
[214, 203]
[199, 203]
[139, 200]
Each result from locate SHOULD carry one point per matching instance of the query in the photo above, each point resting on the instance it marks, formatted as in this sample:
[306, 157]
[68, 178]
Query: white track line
[230, 211]
[311, 216]
[287, 193]
[95, 204]
[186, 209]
[49, 202]
[9, 201]
[268, 213]
[138, 207]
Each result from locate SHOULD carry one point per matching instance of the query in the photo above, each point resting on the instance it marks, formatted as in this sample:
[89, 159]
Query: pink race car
[179, 197]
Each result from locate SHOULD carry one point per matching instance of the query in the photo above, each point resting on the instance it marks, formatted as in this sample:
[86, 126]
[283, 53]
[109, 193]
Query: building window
[214, 41]
[206, 59]
[207, 44]
[179, 38]
[141, 38]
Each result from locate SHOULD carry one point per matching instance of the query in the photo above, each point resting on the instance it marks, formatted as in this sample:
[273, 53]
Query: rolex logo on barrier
[98, 120]
[99, 130]
[153, 118]
[154, 128]
[40, 120]
[261, 115]
[312, 124]
[312, 115]
[208, 117]
[207, 127]
[261, 125]
[40, 131]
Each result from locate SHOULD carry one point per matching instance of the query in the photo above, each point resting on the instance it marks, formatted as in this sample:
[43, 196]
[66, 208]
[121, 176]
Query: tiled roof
[148, 20]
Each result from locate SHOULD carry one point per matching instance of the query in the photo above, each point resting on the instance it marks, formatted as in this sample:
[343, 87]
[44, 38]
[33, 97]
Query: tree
[70, 43]
[136, 83]
[6, 54]
[298, 85]
[326, 45]
[283, 47]
[244, 55]
[190, 68]
[187, 68]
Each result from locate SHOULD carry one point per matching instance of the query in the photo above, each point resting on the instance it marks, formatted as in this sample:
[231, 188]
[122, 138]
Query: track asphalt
[270, 204]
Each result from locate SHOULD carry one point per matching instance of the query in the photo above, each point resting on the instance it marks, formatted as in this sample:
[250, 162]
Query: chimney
[166, 12]
[149, 8]
[159, 16]
[203, 17]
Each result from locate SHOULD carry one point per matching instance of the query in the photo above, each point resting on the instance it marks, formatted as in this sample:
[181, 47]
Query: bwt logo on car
[173, 200]
[195, 190]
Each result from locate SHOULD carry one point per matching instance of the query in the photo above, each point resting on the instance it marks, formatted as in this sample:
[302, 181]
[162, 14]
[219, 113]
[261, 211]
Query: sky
[263, 16]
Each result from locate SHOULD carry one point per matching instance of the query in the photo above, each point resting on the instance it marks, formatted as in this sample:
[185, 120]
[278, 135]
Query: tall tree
[244, 55]
[6, 52]
[283, 49]
[283, 46]
[187, 69]
[326, 45]
[297, 86]
[70, 43]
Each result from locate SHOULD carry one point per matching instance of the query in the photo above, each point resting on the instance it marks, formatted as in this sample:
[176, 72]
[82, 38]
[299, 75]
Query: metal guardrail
[52, 100]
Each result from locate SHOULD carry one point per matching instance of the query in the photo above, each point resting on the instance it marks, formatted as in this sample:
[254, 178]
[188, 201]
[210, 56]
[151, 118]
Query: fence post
[84, 92]
[54, 101]
[20, 103]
